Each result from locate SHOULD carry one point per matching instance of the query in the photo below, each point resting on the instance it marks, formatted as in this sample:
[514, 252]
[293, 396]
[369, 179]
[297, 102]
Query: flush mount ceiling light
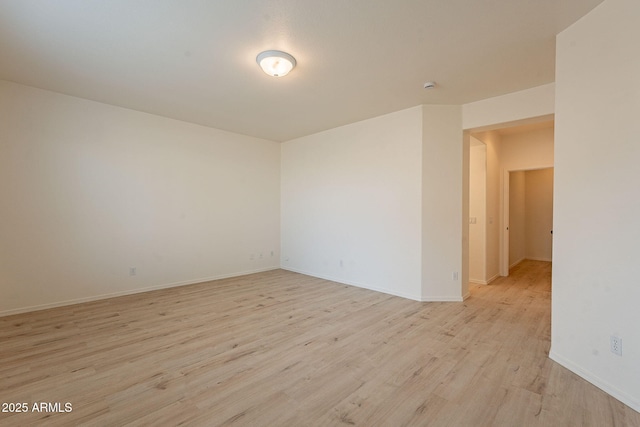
[276, 63]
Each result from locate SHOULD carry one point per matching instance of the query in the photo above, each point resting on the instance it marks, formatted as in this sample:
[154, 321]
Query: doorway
[521, 147]
[529, 213]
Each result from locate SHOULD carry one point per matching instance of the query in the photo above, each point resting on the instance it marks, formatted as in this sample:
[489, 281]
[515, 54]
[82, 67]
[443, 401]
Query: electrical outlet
[616, 345]
[132, 271]
[455, 275]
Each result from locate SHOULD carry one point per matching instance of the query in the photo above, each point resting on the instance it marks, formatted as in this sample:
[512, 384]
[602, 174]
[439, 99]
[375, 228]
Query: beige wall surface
[478, 212]
[527, 150]
[493, 200]
[378, 204]
[513, 151]
[596, 203]
[517, 218]
[513, 107]
[90, 191]
[351, 204]
[539, 214]
[442, 203]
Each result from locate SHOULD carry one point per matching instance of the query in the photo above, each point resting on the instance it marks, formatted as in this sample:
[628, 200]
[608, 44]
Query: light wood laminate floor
[284, 349]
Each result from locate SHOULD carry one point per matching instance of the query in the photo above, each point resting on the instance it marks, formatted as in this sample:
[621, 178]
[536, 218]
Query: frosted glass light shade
[276, 63]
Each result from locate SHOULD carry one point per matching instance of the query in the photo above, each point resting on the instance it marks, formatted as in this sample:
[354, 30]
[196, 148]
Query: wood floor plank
[280, 348]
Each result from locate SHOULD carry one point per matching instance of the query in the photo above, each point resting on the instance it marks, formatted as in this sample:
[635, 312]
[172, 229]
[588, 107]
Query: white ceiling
[195, 60]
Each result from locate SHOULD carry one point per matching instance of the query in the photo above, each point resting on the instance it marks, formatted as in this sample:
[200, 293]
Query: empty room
[273, 213]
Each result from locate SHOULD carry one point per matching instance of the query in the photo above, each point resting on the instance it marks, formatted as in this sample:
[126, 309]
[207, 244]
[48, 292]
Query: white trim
[352, 283]
[491, 279]
[484, 282]
[540, 259]
[442, 299]
[374, 288]
[517, 262]
[622, 396]
[128, 292]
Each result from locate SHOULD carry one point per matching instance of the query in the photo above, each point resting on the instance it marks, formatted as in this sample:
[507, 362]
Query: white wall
[351, 204]
[530, 215]
[527, 150]
[378, 204]
[89, 190]
[517, 218]
[464, 217]
[516, 107]
[532, 149]
[442, 204]
[493, 197]
[596, 206]
[477, 212]
[539, 214]
[483, 117]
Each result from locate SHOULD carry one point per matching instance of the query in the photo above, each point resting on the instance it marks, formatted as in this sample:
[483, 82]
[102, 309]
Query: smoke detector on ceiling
[430, 85]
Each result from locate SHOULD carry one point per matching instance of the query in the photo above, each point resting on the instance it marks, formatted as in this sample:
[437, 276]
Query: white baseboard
[443, 298]
[377, 289]
[516, 263]
[627, 399]
[352, 283]
[484, 282]
[539, 259]
[127, 292]
[492, 278]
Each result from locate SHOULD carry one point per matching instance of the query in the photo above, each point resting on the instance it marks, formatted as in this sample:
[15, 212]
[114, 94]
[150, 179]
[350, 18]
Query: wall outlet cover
[616, 345]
